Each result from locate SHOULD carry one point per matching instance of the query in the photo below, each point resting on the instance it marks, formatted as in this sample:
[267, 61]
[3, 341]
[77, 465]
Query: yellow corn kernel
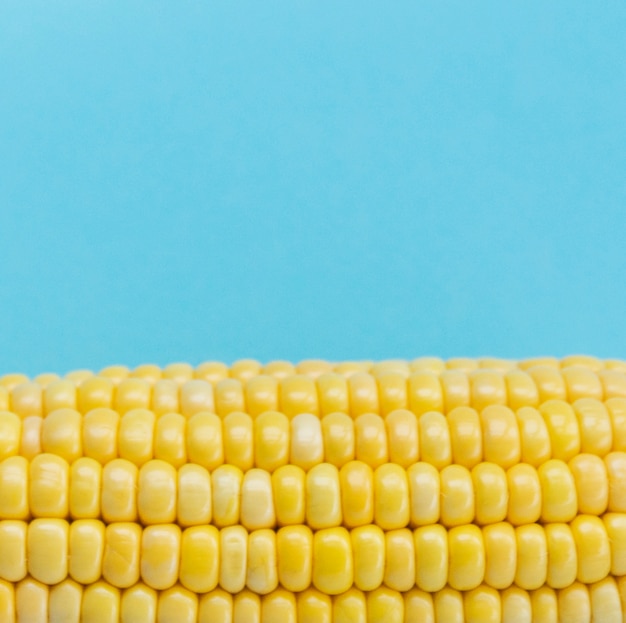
[323, 497]
[216, 607]
[501, 440]
[352, 606]
[465, 436]
[457, 496]
[500, 555]
[363, 394]
[116, 373]
[592, 484]
[179, 372]
[434, 436]
[534, 437]
[298, 394]
[10, 434]
[138, 603]
[271, 440]
[581, 382]
[596, 432]
[371, 440]
[524, 489]
[169, 439]
[425, 393]
[262, 572]
[95, 392]
[392, 392]
[136, 436]
[490, 492]
[402, 436]
[122, 554]
[257, 503]
[333, 393]
[516, 606]
[101, 604]
[177, 605]
[165, 397]
[562, 558]
[356, 480]
[314, 607]
[13, 550]
[233, 558]
[399, 560]
[615, 525]
[563, 429]
[467, 557]
[549, 381]
[544, 605]
[132, 393]
[47, 547]
[211, 371]
[147, 371]
[431, 557]
[338, 439]
[368, 551]
[85, 485]
[333, 571]
[238, 440]
[435, 365]
[279, 369]
[156, 494]
[30, 446]
[391, 366]
[592, 548]
[226, 483]
[418, 606]
[348, 368]
[4, 399]
[59, 394]
[307, 445]
[48, 486]
[449, 606]
[86, 550]
[392, 509]
[196, 396]
[424, 494]
[245, 369]
[31, 601]
[279, 605]
[160, 556]
[455, 387]
[118, 501]
[99, 433]
[574, 603]
[26, 399]
[521, 389]
[558, 492]
[385, 606]
[487, 388]
[616, 469]
[482, 605]
[199, 558]
[64, 602]
[78, 376]
[617, 412]
[61, 434]
[288, 484]
[194, 496]
[14, 477]
[294, 552]
[204, 440]
[605, 601]
[532, 557]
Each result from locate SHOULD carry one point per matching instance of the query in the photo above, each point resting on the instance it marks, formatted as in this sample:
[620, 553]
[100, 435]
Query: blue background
[193, 181]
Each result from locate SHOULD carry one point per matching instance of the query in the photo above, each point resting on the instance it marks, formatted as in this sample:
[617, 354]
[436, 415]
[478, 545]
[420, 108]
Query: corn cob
[464, 490]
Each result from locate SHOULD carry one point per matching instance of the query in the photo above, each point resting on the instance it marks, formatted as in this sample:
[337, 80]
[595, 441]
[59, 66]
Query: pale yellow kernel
[26, 399]
[615, 364]
[402, 437]
[616, 469]
[48, 486]
[583, 361]
[64, 602]
[418, 606]
[348, 368]
[4, 399]
[122, 554]
[592, 483]
[170, 439]
[368, 552]
[156, 493]
[59, 394]
[392, 392]
[517, 606]
[490, 493]
[466, 550]
[435, 365]
[216, 607]
[314, 607]
[101, 604]
[294, 552]
[424, 494]
[371, 440]
[199, 558]
[323, 497]
[449, 606]
[13, 550]
[196, 396]
[279, 605]
[592, 548]
[298, 394]
[431, 557]
[521, 390]
[44, 379]
[30, 446]
[487, 388]
[179, 372]
[399, 560]
[212, 371]
[524, 489]
[9, 381]
[238, 440]
[549, 381]
[14, 481]
[352, 606]
[271, 440]
[85, 486]
[245, 369]
[615, 525]
[61, 434]
[363, 394]
[165, 397]
[338, 439]
[78, 376]
[194, 496]
[138, 603]
[434, 436]
[532, 557]
[116, 373]
[425, 393]
[500, 555]
[332, 561]
[226, 483]
[10, 434]
[482, 605]
[357, 494]
[581, 382]
[95, 392]
[392, 506]
[562, 557]
[501, 438]
[558, 492]
[86, 550]
[307, 445]
[288, 484]
[279, 369]
[534, 437]
[544, 605]
[466, 438]
[261, 394]
[391, 366]
[461, 363]
[47, 549]
[455, 386]
[205, 440]
[133, 393]
[148, 372]
[31, 601]
[605, 601]
[385, 606]
[332, 390]
[457, 496]
[613, 383]
[160, 556]
[313, 367]
[574, 604]
[257, 502]
[177, 605]
[233, 558]
[594, 422]
[563, 429]
[118, 501]
[262, 574]
[100, 434]
[135, 440]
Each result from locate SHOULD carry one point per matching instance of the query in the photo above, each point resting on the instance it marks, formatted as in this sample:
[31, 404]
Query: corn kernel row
[355, 495]
[586, 550]
[463, 437]
[361, 392]
[70, 602]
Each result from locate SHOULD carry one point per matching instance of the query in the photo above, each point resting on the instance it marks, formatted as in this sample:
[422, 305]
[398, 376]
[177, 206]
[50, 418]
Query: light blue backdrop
[216, 180]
